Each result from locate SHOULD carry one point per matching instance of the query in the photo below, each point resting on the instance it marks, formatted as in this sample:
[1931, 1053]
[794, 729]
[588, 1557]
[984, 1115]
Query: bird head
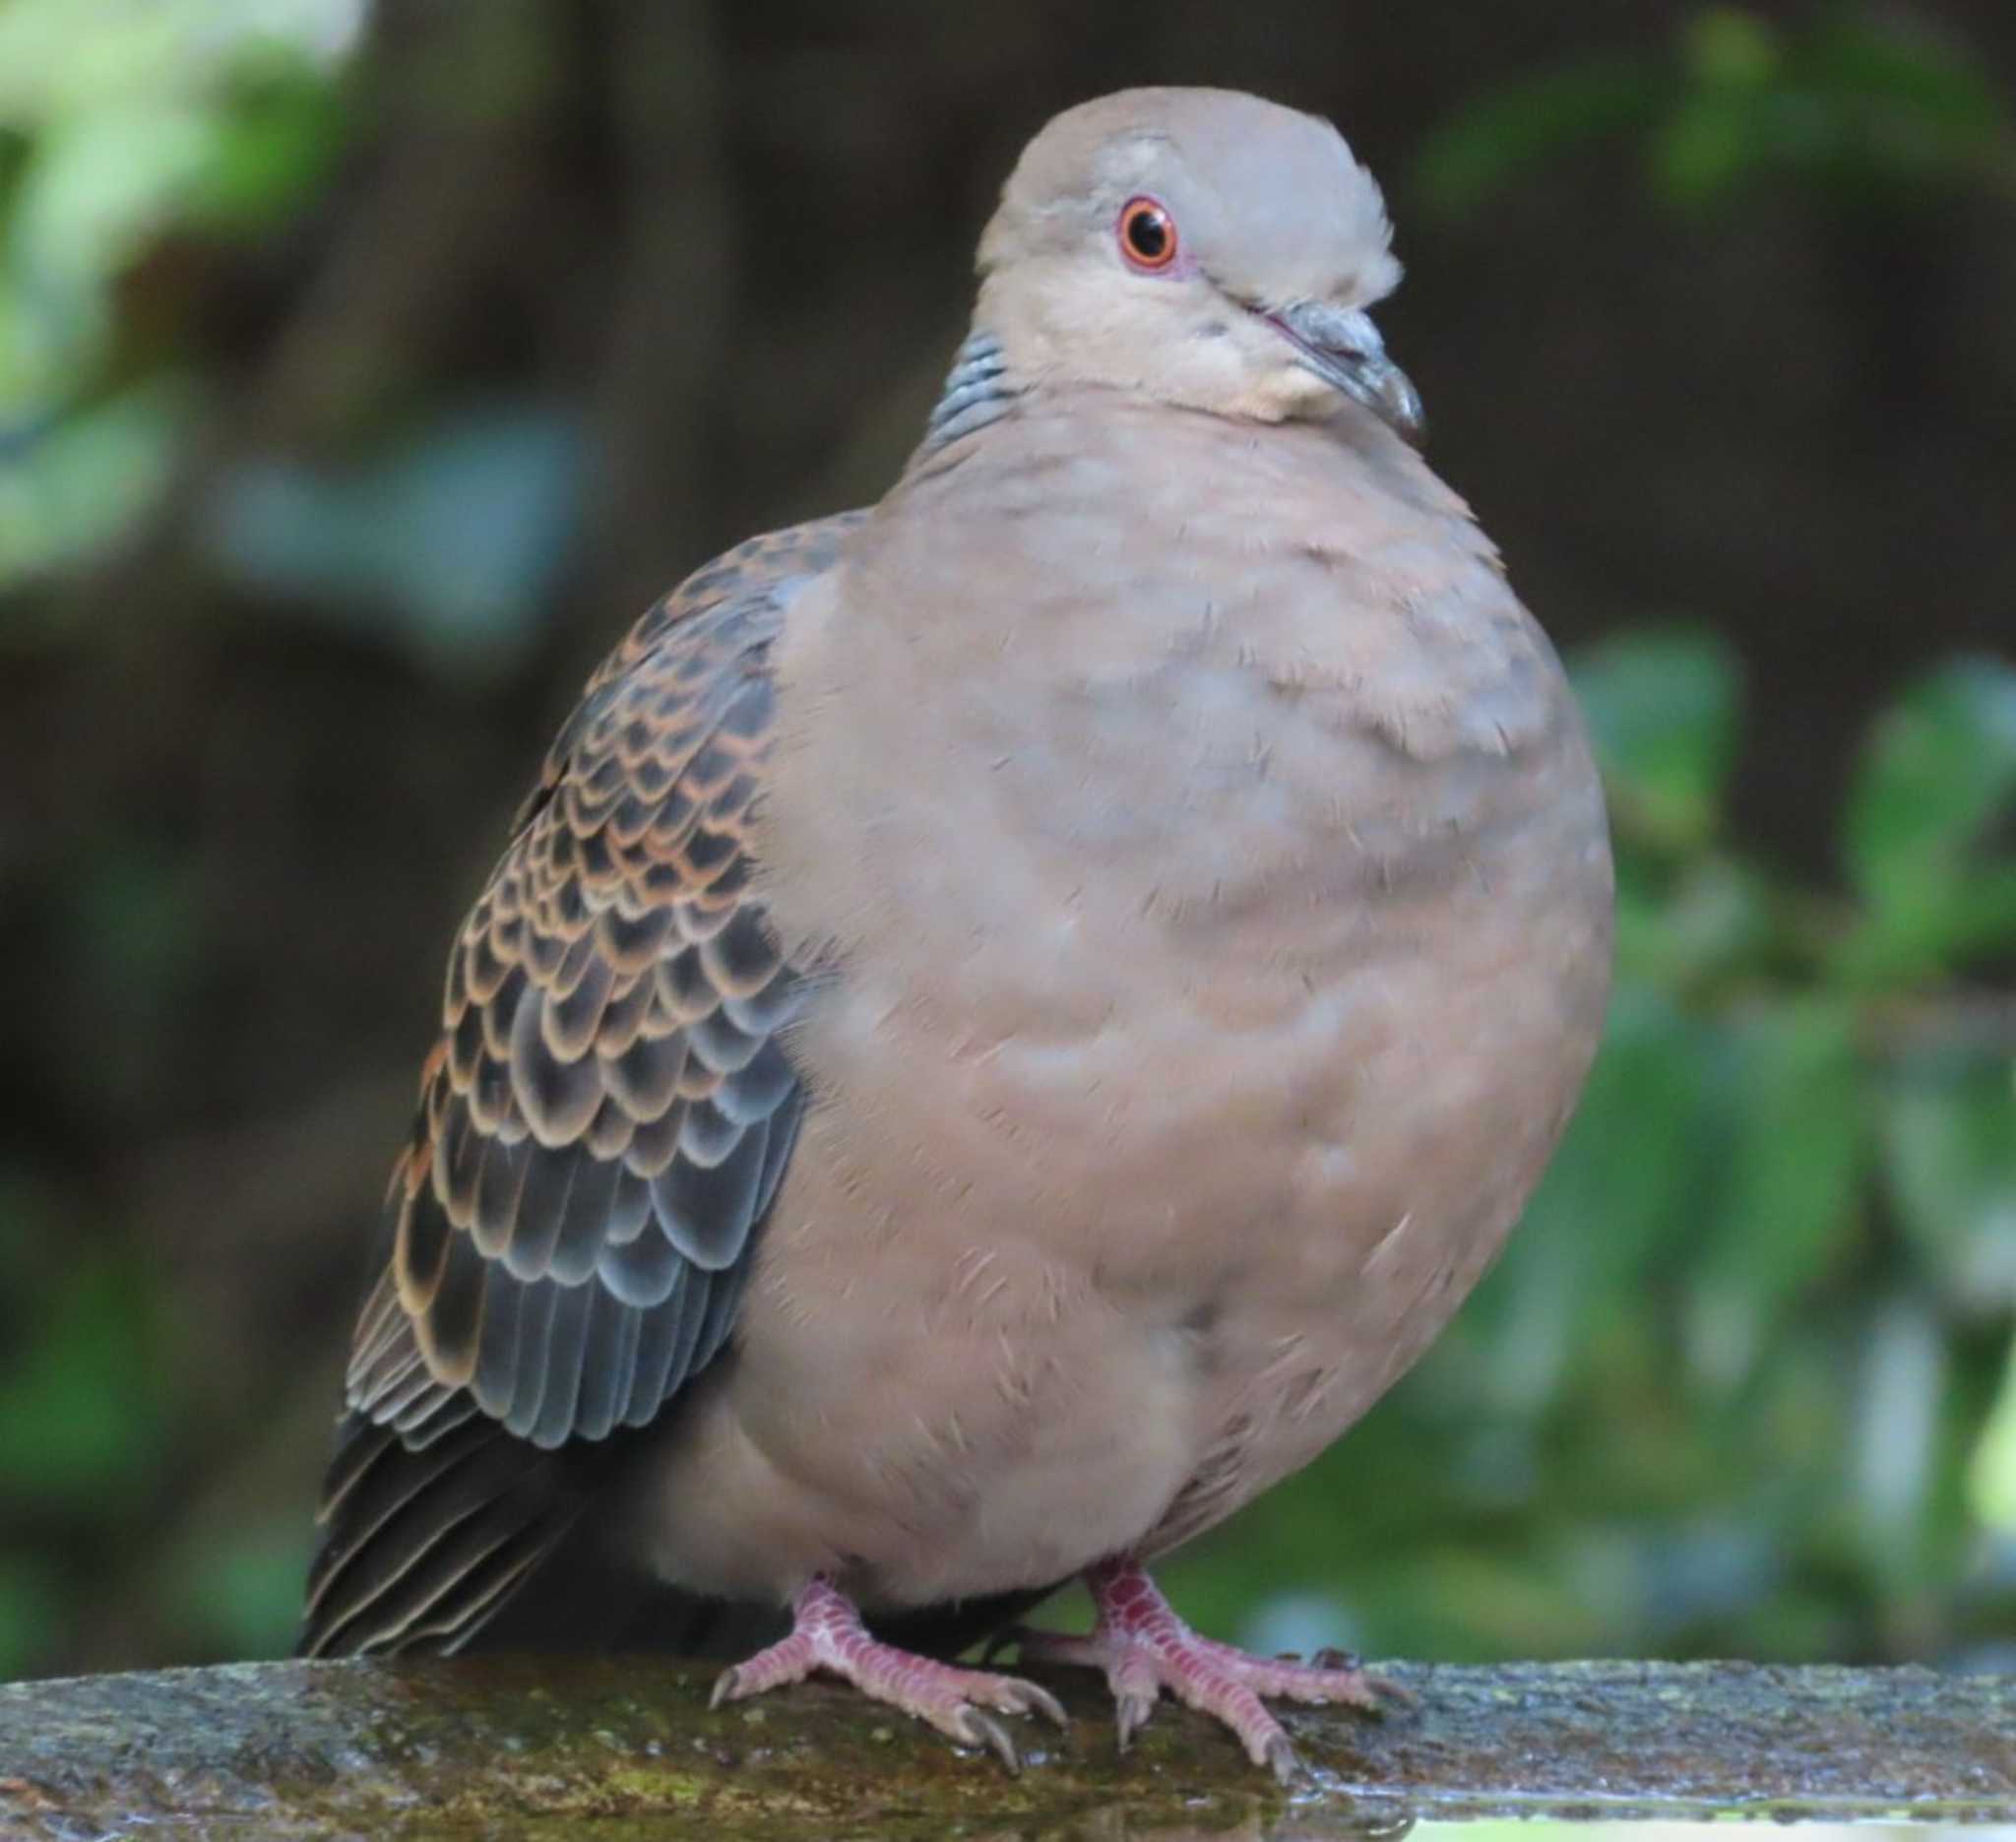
[1198, 247]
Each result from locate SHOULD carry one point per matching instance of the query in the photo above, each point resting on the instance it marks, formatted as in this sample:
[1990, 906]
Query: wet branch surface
[513, 1748]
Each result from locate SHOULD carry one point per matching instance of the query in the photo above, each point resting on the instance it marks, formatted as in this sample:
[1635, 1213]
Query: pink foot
[827, 1633]
[1144, 1648]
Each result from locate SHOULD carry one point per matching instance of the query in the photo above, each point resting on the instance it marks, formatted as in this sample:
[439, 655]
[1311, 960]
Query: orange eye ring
[1147, 234]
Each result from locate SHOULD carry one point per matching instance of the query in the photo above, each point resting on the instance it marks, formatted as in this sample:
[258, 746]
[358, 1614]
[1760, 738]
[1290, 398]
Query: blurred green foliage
[1867, 104]
[1745, 1381]
[122, 126]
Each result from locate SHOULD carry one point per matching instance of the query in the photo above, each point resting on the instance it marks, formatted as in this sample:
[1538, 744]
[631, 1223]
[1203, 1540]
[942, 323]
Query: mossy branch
[523, 1748]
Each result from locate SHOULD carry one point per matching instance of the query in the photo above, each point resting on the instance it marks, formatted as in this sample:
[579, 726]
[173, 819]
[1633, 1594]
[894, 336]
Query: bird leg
[827, 1633]
[1144, 1647]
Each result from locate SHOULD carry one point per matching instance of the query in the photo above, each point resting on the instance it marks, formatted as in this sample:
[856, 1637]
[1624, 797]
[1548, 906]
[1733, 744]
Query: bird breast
[1211, 895]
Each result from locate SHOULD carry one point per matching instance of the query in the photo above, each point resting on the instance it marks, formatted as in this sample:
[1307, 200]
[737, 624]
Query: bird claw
[1283, 1761]
[1130, 1715]
[1031, 1698]
[974, 1728]
[1391, 1690]
[1350, 1663]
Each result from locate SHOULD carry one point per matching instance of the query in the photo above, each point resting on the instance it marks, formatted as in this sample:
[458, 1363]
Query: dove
[1012, 1016]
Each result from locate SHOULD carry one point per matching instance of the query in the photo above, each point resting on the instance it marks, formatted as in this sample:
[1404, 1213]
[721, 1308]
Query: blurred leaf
[278, 141]
[1705, 146]
[1662, 708]
[75, 487]
[1939, 767]
[1789, 1178]
[1716, 131]
[99, 184]
[453, 542]
[1936, 782]
[62, 58]
[93, 191]
[1865, 104]
[1991, 1471]
[1510, 130]
[1606, 1202]
[1907, 60]
[1911, 104]
[1730, 48]
[1678, 933]
[1904, 1372]
[1949, 1140]
[80, 1406]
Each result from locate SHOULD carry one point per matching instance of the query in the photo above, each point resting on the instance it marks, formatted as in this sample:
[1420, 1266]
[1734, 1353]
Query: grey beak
[1343, 347]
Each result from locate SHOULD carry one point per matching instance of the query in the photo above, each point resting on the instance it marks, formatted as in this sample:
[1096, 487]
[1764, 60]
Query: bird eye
[1148, 234]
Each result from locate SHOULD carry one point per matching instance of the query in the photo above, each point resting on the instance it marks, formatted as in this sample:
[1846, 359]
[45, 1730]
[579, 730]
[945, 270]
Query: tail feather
[423, 1547]
[455, 1536]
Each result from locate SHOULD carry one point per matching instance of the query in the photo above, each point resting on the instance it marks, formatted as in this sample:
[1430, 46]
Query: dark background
[362, 374]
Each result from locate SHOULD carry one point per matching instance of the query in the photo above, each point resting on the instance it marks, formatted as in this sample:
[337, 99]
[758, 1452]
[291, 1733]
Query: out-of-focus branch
[661, 376]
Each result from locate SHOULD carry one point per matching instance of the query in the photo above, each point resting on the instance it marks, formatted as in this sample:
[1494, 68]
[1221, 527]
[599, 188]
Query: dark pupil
[1149, 232]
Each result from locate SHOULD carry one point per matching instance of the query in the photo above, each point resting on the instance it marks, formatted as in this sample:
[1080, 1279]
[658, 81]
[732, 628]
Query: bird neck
[979, 390]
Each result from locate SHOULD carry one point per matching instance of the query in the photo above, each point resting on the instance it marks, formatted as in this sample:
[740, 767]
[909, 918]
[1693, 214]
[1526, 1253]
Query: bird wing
[603, 1125]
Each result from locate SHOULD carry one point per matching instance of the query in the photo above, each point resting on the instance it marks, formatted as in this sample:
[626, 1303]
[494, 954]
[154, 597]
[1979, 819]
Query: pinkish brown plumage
[1013, 1016]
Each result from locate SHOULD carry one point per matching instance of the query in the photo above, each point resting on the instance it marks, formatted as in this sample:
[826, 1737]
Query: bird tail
[429, 1535]
[454, 1536]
